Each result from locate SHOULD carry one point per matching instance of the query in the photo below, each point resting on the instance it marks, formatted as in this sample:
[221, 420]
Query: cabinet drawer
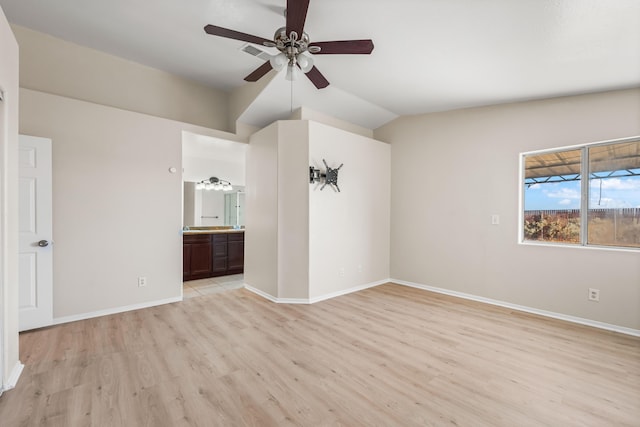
[219, 238]
[196, 238]
[219, 249]
[236, 237]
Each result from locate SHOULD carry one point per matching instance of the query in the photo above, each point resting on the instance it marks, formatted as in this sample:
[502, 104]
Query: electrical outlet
[359, 268]
[594, 294]
[341, 272]
[142, 281]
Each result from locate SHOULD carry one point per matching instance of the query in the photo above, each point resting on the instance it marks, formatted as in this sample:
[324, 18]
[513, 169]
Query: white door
[36, 249]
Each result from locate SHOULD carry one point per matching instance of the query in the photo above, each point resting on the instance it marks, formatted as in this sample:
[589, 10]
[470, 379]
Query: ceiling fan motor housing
[290, 44]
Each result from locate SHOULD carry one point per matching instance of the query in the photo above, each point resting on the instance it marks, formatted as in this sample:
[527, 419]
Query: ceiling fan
[295, 46]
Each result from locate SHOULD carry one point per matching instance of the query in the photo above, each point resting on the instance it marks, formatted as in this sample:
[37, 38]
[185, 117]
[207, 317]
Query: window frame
[584, 196]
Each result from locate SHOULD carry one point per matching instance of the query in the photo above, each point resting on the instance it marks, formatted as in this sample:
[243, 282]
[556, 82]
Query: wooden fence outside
[593, 213]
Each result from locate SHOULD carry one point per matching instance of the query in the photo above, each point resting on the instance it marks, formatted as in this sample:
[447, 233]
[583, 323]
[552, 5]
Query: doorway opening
[213, 215]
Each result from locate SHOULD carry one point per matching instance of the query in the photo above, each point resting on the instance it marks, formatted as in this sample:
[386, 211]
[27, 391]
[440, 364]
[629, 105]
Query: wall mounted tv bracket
[330, 177]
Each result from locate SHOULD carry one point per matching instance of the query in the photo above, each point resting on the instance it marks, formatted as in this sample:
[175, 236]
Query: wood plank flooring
[386, 356]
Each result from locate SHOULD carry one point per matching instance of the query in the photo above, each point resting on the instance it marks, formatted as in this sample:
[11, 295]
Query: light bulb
[305, 62]
[278, 61]
[227, 187]
[207, 186]
[217, 186]
[292, 72]
[199, 186]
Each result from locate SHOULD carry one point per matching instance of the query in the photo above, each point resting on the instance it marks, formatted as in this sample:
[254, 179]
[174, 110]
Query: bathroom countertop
[213, 231]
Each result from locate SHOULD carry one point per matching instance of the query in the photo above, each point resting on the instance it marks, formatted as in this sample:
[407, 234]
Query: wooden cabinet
[219, 254]
[196, 257]
[210, 255]
[235, 253]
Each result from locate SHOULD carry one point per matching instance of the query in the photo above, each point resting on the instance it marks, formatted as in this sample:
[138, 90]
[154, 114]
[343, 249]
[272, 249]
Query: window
[588, 195]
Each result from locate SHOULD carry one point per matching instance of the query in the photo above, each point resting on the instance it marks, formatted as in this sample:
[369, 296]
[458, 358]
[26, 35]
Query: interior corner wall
[452, 171]
[9, 356]
[349, 231]
[261, 212]
[52, 65]
[117, 208]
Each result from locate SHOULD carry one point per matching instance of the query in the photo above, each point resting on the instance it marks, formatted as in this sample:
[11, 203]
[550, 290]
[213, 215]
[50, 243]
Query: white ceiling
[430, 55]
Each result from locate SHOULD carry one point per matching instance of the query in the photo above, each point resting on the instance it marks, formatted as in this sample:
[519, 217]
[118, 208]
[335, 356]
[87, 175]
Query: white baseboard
[261, 293]
[13, 378]
[347, 291]
[545, 313]
[116, 310]
[314, 299]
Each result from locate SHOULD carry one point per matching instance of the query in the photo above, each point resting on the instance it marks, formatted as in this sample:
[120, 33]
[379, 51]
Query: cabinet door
[186, 262]
[219, 255]
[200, 260]
[196, 256]
[235, 253]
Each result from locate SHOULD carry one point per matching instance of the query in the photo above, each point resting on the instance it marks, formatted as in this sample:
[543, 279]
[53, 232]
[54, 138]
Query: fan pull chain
[291, 96]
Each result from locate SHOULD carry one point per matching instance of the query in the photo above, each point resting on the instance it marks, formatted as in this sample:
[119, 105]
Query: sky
[618, 192]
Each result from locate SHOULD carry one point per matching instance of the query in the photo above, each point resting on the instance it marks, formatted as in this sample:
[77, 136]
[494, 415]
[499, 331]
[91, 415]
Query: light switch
[495, 219]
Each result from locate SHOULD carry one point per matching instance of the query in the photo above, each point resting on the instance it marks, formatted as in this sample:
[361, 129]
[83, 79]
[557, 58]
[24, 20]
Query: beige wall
[451, 171]
[261, 213]
[277, 237]
[189, 204]
[117, 208]
[349, 230]
[327, 242]
[55, 66]
[293, 209]
[240, 99]
[8, 203]
[304, 113]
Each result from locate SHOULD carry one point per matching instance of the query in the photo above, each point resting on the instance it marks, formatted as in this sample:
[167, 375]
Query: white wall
[189, 197]
[212, 206]
[117, 209]
[327, 242]
[451, 171]
[199, 168]
[349, 230]
[293, 209]
[261, 220]
[53, 65]
[305, 113]
[8, 205]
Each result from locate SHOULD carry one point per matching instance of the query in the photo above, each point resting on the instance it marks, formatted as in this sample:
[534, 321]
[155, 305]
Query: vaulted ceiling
[430, 55]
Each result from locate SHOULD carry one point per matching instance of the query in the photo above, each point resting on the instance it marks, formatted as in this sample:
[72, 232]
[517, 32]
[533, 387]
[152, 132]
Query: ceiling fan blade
[236, 35]
[296, 15]
[363, 47]
[259, 72]
[317, 78]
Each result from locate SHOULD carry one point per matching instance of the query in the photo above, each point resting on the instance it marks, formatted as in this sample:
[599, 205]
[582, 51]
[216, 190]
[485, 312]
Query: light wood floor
[387, 356]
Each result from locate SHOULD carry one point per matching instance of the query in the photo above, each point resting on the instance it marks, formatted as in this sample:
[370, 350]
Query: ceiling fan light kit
[295, 46]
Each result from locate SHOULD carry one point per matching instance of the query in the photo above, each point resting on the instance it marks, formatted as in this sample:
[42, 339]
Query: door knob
[43, 243]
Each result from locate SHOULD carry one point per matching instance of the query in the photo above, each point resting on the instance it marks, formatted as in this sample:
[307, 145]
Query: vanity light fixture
[214, 183]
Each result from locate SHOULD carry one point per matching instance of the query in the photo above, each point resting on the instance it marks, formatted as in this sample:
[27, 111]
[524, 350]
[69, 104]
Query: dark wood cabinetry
[210, 255]
[219, 242]
[196, 256]
[235, 253]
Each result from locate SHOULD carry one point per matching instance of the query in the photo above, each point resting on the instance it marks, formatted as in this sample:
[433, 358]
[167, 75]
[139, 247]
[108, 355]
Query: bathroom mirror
[204, 208]
[204, 157]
